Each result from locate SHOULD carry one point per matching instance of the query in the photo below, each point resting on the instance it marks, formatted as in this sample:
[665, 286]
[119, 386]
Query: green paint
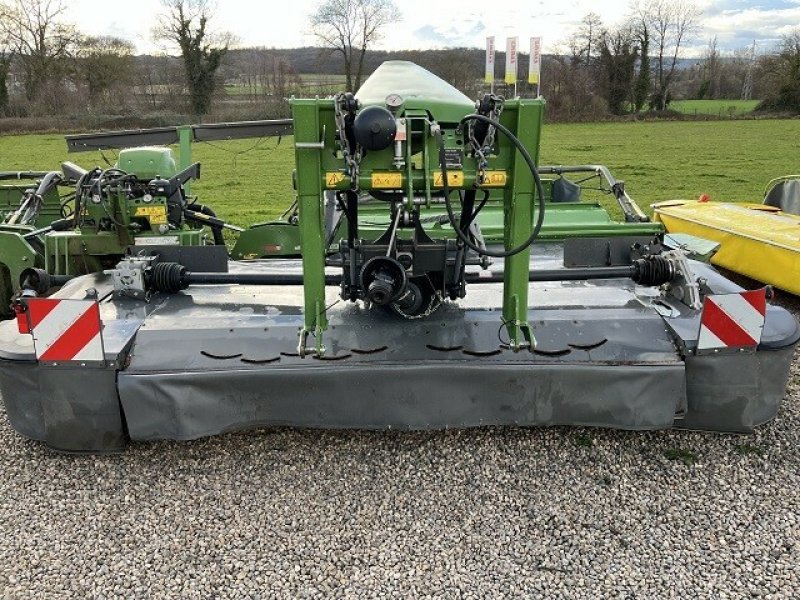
[275, 239]
[16, 253]
[185, 157]
[309, 118]
[147, 163]
[563, 220]
[524, 118]
[320, 166]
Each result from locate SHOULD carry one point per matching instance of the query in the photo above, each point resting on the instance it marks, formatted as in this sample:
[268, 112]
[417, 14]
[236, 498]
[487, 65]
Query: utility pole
[747, 89]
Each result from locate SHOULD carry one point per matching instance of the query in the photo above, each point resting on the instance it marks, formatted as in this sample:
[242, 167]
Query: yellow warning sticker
[495, 179]
[387, 181]
[157, 215]
[454, 179]
[333, 179]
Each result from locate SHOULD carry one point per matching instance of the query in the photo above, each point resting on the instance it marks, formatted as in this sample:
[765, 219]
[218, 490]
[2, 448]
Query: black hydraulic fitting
[168, 277]
[40, 281]
[383, 279]
[653, 270]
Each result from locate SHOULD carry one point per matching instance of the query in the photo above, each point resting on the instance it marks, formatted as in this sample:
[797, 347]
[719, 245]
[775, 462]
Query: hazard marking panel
[733, 320]
[333, 179]
[387, 180]
[22, 318]
[454, 179]
[495, 179]
[157, 214]
[64, 330]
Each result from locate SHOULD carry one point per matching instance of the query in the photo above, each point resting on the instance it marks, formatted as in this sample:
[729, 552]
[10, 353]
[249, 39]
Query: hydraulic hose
[537, 180]
[216, 230]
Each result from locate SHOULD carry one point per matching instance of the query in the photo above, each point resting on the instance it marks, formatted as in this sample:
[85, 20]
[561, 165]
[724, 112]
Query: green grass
[665, 160]
[721, 108]
[746, 449]
[583, 441]
[729, 160]
[233, 89]
[687, 457]
[312, 77]
[309, 82]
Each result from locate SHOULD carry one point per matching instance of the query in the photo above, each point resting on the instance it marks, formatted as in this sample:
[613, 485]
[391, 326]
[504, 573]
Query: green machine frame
[321, 166]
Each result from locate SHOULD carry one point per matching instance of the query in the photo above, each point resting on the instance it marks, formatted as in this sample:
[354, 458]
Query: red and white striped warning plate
[733, 320]
[63, 330]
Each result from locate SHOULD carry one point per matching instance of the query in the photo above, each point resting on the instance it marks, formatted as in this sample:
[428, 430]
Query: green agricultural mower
[73, 222]
[430, 274]
[29, 201]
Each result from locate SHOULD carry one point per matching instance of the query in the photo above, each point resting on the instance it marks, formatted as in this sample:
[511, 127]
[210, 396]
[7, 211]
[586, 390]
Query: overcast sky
[442, 23]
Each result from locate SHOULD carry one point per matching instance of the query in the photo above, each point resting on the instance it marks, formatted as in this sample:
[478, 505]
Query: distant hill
[308, 60]
[313, 60]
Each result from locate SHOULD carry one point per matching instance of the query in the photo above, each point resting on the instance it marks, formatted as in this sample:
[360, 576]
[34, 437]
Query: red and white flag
[63, 330]
[733, 320]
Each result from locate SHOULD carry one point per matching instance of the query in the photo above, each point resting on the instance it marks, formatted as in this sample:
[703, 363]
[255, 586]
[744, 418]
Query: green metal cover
[148, 162]
[419, 88]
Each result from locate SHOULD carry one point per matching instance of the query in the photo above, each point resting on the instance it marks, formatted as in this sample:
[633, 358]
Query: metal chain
[434, 304]
[488, 143]
[482, 151]
[352, 160]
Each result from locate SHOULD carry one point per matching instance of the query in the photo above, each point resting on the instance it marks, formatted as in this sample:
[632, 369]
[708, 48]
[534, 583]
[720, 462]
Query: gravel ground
[563, 512]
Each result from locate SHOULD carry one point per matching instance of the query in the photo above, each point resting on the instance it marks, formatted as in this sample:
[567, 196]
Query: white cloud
[435, 24]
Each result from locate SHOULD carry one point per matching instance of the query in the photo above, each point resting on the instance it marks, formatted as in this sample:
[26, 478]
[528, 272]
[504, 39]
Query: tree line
[48, 67]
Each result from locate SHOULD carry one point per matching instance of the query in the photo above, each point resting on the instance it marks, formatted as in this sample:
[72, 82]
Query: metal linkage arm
[631, 210]
[164, 136]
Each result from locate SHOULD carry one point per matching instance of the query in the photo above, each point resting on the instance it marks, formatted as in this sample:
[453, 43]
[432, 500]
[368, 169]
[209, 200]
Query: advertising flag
[490, 59]
[535, 69]
[511, 60]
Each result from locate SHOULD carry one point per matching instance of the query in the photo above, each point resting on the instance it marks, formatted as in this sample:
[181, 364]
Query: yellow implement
[756, 240]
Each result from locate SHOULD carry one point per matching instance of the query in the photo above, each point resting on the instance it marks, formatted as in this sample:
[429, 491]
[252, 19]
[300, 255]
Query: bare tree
[712, 72]
[568, 87]
[455, 67]
[669, 24]
[781, 76]
[158, 82]
[41, 41]
[186, 25]
[6, 54]
[103, 63]
[587, 37]
[641, 86]
[350, 27]
[583, 47]
[617, 60]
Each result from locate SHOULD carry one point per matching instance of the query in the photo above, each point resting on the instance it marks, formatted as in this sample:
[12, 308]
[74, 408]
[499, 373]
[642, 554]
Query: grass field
[720, 108]
[312, 83]
[249, 181]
